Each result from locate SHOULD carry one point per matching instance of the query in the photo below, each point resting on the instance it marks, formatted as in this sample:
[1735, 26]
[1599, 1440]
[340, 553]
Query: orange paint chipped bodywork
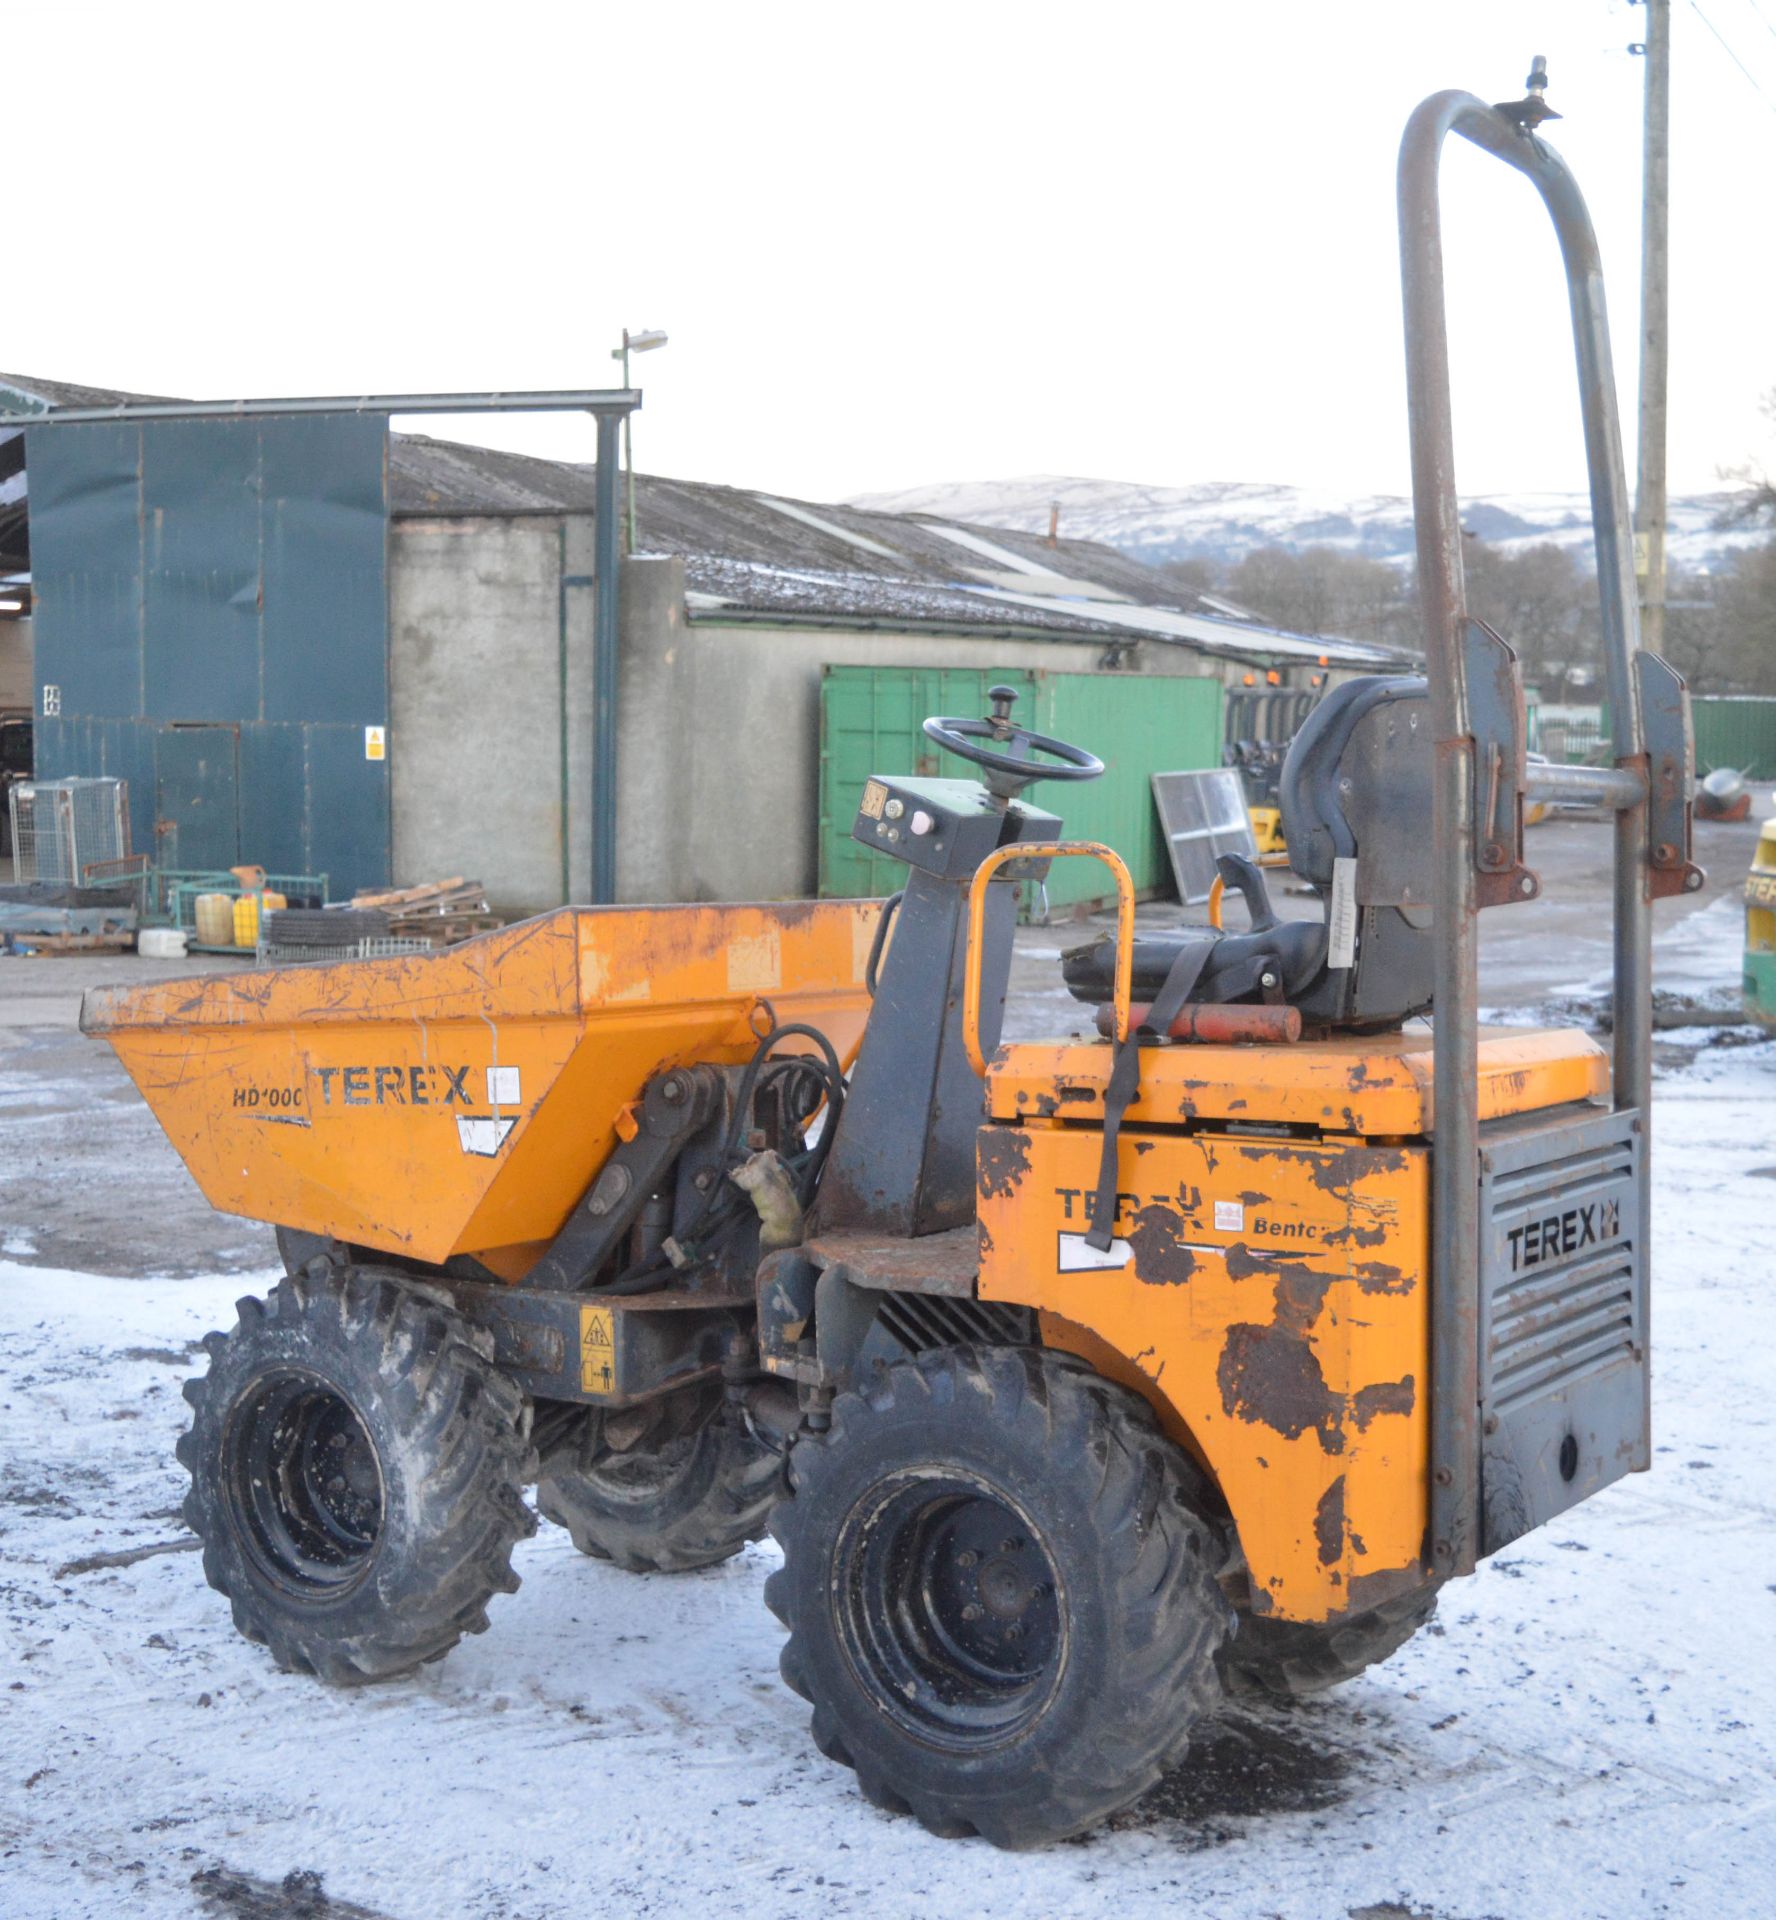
[1378, 1085]
[460, 1102]
[1268, 1295]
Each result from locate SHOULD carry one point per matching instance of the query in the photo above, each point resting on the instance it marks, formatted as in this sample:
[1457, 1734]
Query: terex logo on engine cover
[1536, 1242]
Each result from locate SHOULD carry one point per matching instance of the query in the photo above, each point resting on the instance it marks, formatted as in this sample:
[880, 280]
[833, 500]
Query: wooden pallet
[443, 911]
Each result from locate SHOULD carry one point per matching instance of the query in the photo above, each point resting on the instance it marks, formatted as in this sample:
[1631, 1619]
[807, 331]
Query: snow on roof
[755, 554]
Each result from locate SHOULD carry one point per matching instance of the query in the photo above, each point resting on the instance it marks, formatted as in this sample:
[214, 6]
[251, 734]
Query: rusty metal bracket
[675, 1106]
[1495, 715]
[1671, 775]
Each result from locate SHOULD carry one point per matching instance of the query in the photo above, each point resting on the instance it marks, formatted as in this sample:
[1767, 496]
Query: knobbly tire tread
[723, 1502]
[465, 1428]
[1292, 1659]
[1130, 1710]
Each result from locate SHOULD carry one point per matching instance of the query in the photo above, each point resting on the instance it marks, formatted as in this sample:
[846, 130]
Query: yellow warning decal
[597, 1369]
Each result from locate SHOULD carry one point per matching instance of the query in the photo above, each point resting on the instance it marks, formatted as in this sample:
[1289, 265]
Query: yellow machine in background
[1760, 929]
[1267, 829]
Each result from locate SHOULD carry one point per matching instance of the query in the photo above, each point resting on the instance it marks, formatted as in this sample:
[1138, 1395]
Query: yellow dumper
[1081, 1382]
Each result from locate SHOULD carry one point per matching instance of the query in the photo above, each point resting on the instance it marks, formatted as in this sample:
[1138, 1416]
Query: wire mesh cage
[175, 893]
[60, 827]
[273, 954]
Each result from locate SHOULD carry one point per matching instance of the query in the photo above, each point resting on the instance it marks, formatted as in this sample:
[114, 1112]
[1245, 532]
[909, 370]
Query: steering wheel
[1009, 762]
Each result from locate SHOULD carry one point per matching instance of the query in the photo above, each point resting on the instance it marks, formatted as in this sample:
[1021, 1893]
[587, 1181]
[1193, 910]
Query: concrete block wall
[719, 756]
[718, 767]
[17, 687]
[478, 655]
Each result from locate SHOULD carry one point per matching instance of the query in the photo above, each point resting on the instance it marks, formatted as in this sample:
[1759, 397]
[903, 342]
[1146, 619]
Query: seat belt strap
[1125, 1080]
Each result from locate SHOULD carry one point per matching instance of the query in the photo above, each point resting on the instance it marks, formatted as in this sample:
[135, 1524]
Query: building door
[197, 798]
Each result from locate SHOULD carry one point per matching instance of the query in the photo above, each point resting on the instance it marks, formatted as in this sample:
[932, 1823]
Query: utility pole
[1655, 259]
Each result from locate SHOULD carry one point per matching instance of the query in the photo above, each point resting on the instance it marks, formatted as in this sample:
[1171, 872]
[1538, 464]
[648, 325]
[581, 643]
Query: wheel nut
[971, 1611]
[967, 1557]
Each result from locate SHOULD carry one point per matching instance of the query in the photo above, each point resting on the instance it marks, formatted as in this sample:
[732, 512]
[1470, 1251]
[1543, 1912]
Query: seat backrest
[1357, 784]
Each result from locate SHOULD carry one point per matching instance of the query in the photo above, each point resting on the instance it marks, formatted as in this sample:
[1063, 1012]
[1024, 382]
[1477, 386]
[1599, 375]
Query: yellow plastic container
[1760, 929]
[247, 911]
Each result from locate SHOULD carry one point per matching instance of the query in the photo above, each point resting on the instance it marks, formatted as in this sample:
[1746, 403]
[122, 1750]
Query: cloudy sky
[891, 243]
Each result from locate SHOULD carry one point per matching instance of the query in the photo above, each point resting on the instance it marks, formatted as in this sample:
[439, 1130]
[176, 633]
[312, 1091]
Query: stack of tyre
[323, 930]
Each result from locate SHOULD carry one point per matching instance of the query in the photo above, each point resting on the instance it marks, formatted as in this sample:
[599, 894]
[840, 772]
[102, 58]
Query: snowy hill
[1223, 519]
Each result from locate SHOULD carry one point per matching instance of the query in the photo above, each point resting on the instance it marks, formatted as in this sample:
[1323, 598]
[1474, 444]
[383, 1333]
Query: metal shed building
[314, 644]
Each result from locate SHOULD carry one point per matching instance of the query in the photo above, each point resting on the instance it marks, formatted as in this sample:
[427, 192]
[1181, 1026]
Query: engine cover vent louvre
[920, 1322]
[1562, 1315]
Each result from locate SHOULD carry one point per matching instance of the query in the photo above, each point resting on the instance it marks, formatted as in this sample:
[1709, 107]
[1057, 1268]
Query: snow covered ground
[1589, 1729]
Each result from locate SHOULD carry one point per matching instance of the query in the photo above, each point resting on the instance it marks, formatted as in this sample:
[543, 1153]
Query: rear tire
[1001, 1593]
[357, 1464]
[1290, 1659]
[689, 1493]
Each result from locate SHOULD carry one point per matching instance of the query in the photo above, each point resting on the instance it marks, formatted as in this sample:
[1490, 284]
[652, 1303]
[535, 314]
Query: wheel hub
[305, 1487]
[949, 1611]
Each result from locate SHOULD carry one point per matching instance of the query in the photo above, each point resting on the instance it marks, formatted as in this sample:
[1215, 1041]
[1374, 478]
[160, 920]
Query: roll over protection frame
[1474, 768]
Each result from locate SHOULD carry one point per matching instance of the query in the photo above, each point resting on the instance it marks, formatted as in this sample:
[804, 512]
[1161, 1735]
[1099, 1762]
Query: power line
[1727, 48]
[1769, 26]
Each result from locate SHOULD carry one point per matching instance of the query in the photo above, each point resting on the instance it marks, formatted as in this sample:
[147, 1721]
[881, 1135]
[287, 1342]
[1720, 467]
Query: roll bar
[1476, 707]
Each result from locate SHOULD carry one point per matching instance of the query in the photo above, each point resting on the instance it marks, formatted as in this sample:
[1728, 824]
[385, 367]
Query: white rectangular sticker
[1341, 914]
[1230, 1216]
[1074, 1256]
[376, 743]
[502, 1087]
[483, 1137]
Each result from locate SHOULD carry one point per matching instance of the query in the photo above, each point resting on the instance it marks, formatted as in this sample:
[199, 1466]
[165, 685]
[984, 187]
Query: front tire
[357, 1464]
[1001, 1593]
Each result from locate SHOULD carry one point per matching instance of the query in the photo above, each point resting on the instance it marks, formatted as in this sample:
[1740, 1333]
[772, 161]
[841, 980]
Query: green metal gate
[1137, 724]
[1737, 731]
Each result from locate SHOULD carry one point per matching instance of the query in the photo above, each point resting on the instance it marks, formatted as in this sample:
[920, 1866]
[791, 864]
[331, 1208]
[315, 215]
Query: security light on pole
[643, 341]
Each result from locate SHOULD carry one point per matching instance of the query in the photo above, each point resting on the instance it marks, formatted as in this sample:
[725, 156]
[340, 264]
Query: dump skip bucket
[461, 1102]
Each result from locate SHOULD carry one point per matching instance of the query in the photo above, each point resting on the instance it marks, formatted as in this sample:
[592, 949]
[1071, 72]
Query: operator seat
[1355, 789]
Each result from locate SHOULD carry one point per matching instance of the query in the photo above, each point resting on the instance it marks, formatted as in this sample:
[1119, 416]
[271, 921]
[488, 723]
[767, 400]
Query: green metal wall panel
[870, 721]
[1137, 724]
[230, 572]
[1737, 732]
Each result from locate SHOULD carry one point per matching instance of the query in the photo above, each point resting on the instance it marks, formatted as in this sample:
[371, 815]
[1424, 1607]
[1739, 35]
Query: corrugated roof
[64, 393]
[749, 553]
[760, 554]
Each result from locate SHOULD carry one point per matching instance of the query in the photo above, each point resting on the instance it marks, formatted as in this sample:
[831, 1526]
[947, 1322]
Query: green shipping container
[1737, 731]
[1137, 724]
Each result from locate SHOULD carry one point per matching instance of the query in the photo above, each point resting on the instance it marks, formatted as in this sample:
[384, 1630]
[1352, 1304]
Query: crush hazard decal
[597, 1347]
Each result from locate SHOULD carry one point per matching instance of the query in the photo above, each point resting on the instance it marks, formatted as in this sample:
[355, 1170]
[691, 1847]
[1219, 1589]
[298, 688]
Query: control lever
[1246, 878]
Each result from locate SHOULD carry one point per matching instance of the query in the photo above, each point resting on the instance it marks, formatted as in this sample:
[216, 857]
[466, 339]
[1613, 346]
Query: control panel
[948, 827]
